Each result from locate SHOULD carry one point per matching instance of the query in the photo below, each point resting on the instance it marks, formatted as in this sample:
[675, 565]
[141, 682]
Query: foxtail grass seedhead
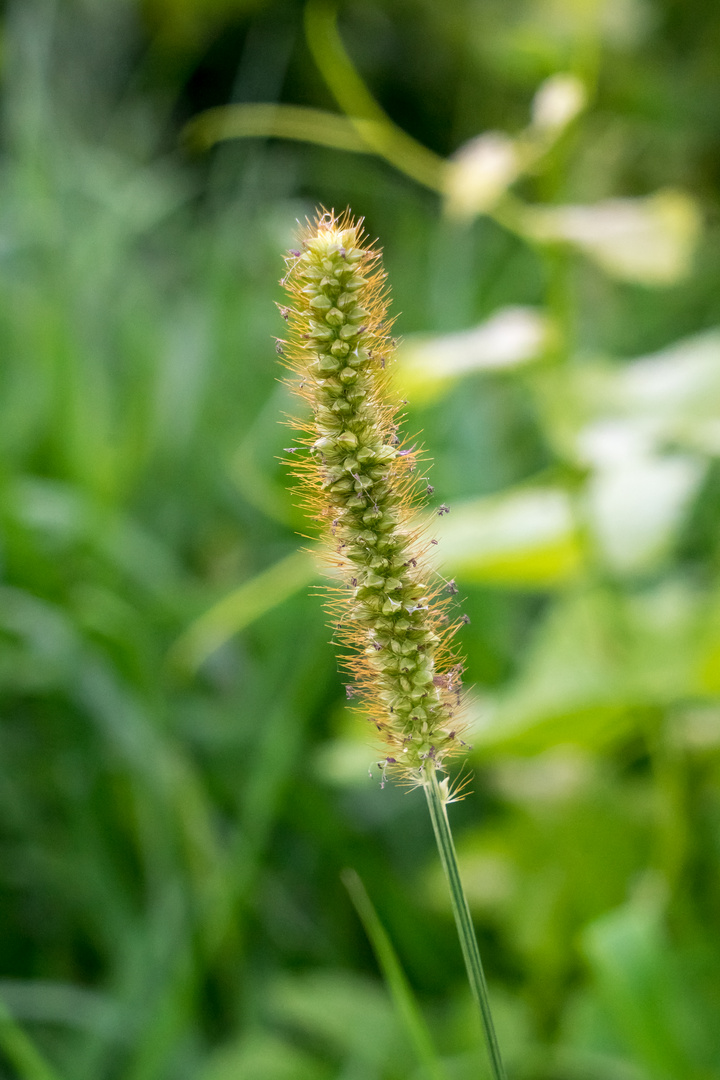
[357, 478]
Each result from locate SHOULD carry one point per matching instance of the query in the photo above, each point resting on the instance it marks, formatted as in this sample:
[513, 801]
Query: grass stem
[441, 825]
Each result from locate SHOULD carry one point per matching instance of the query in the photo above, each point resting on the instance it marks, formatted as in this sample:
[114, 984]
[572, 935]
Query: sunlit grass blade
[397, 983]
[21, 1051]
[240, 608]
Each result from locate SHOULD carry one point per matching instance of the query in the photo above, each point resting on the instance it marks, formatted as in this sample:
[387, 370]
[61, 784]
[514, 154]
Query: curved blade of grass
[281, 122]
[356, 101]
[240, 608]
[397, 983]
[21, 1051]
[365, 129]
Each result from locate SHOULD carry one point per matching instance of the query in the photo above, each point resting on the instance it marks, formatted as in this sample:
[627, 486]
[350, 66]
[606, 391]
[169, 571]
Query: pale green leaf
[524, 538]
[650, 241]
[262, 1056]
[479, 174]
[510, 338]
[558, 100]
[637, 506]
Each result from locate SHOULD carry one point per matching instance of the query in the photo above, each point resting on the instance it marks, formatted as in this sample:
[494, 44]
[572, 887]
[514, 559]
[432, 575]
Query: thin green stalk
[395, 978]
[466, 932]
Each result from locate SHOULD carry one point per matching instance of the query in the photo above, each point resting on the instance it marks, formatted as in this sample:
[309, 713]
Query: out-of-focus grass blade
[407, 1008]
[19, 1049]
[241, 607]
[44, 1001]
[277, 121]
[354, 98]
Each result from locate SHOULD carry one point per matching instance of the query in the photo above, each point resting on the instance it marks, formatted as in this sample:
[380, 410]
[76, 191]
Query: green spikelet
[358, 479]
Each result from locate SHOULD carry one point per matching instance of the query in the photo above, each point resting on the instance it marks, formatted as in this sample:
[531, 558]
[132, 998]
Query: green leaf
[597, 660]
[261, 1056]
[650, 241]
[637, 505]
[524, 538]
[345, 1013]
[647, 991]
[512, 337]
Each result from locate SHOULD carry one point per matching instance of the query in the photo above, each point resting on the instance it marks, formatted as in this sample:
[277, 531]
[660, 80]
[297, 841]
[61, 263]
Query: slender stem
[463, 920]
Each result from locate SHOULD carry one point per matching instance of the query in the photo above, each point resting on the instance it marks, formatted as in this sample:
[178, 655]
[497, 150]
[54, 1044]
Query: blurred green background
[181, 784]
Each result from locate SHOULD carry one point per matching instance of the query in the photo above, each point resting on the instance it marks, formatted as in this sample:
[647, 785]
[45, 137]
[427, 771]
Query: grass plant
[358, 478]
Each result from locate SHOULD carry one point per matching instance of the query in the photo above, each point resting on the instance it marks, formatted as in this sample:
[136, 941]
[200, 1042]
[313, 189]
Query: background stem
[395, 978]
[463, 920]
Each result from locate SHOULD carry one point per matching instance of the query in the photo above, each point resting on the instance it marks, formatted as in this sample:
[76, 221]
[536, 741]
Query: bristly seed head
[358, 481]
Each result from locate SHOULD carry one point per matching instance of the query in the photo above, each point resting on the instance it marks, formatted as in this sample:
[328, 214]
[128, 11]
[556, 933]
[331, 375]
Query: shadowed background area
[181, 782]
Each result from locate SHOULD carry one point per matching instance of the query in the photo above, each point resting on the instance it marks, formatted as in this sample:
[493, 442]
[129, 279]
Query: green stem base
[463, 921]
